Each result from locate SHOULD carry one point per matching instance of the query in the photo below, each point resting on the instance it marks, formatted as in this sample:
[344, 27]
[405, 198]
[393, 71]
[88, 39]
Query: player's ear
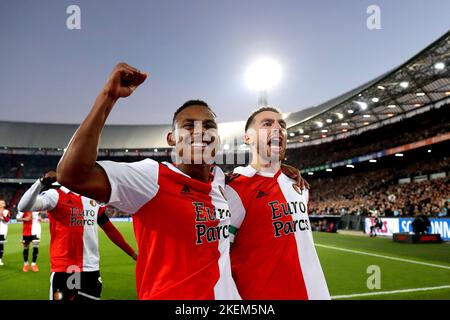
[171, 139]
[247, 139]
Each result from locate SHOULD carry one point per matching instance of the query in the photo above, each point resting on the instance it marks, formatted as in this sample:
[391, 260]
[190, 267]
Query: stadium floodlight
[126, 150]
[291, 134]
[339, 115]
[439, 66]
[319, 124]
[350, 166]
[404, 84]
[350, 111]
[373, 160]
[329, 121]
[301, 131]
[366, 116]
[344, 124]
[344, 130]
[392, 106]
[366, 123]
[155, 150]
[361, 104]
[263, 75]
[324, 131]
[417, 105]
[429, 151]
[420, 94]
[306, 136]
[390, 114]
[375, 99]
[381, 88]
[329, 170]
[399, 154]
[310, 173]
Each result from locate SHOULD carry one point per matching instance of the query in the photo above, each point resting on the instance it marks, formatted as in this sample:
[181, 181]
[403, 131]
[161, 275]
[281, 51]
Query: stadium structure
[357, 150]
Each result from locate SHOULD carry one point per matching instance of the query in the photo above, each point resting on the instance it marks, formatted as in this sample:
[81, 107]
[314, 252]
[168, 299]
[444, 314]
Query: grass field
[423, 269]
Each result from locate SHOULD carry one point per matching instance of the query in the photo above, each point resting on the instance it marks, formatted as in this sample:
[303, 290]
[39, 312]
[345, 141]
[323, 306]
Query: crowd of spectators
[419, 127]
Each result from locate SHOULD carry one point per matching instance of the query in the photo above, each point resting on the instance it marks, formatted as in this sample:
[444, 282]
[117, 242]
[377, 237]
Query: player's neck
[263, 166]
[196, 171]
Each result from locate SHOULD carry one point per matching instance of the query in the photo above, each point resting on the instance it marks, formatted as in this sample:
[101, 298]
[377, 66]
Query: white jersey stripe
[313, 276]
[224, 288]
[90, 235]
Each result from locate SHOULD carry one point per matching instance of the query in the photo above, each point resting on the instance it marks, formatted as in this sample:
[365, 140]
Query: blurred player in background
[31, 233]
[272, 253]
[74, 254]
[5, 216]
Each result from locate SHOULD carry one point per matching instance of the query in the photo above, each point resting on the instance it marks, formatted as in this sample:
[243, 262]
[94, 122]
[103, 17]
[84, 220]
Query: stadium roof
[420, 82]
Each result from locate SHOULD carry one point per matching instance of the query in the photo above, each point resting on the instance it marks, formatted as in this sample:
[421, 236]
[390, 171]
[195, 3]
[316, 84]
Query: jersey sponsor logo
[287, 209]
[80, 217]
[204, 214]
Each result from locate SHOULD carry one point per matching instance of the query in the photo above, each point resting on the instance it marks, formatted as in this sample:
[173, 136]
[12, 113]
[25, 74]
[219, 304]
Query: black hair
[253, 115]
[188, 104]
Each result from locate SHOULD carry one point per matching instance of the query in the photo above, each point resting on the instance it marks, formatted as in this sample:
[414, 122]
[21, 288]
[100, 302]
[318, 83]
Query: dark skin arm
[294, 174]
[116, 237]
[77, 170]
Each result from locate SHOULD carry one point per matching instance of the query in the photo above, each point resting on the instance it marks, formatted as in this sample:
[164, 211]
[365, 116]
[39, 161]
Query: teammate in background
[272, 253]
[74, 254]
[5, 216]
[31, 233]
[181, 216]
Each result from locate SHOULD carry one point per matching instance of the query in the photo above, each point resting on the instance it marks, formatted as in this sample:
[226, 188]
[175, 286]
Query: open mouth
[275, 143]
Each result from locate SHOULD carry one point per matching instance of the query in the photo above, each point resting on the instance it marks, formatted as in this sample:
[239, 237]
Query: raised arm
[77, 170]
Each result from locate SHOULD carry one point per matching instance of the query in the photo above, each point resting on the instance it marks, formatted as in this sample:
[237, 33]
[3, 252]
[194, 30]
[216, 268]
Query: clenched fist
[123, 80]
[48, 178]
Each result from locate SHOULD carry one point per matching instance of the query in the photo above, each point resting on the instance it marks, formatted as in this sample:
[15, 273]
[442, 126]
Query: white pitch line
[385, 257]
[388, 292]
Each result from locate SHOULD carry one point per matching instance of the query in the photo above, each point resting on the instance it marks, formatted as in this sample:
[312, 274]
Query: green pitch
[424, 270]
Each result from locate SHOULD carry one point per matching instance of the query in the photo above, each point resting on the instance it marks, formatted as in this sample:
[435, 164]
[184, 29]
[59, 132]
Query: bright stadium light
[381, 88]
[350, 166]
[329, 170]
[301, 131]
[291, 134]
[361, 104]
[324, 131]
[319, 124]
[373, 161]
[263, 75]
[329, 121]
[399, 154]
[310, 173]
[392, 106]
[339, 115]
[350, 111]
[439, 66]
[366, 116]
[155, 150]
[375, 99]
[306, 136]
[420, 94]
[404, 84]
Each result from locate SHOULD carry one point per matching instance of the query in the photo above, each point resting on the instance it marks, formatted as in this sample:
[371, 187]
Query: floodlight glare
[263, 74]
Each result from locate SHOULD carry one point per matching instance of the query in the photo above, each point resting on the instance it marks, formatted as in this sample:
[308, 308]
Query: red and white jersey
[273, 254]
[73, 231]
[181, 227]
[4, 222]
[31, 227]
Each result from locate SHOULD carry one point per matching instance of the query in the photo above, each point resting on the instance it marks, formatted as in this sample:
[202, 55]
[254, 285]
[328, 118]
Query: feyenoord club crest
[58, 295]
[297, 189]
[93, 203]
[222, 192]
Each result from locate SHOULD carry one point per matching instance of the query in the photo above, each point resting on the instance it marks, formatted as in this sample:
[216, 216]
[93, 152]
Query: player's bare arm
[77, 169]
